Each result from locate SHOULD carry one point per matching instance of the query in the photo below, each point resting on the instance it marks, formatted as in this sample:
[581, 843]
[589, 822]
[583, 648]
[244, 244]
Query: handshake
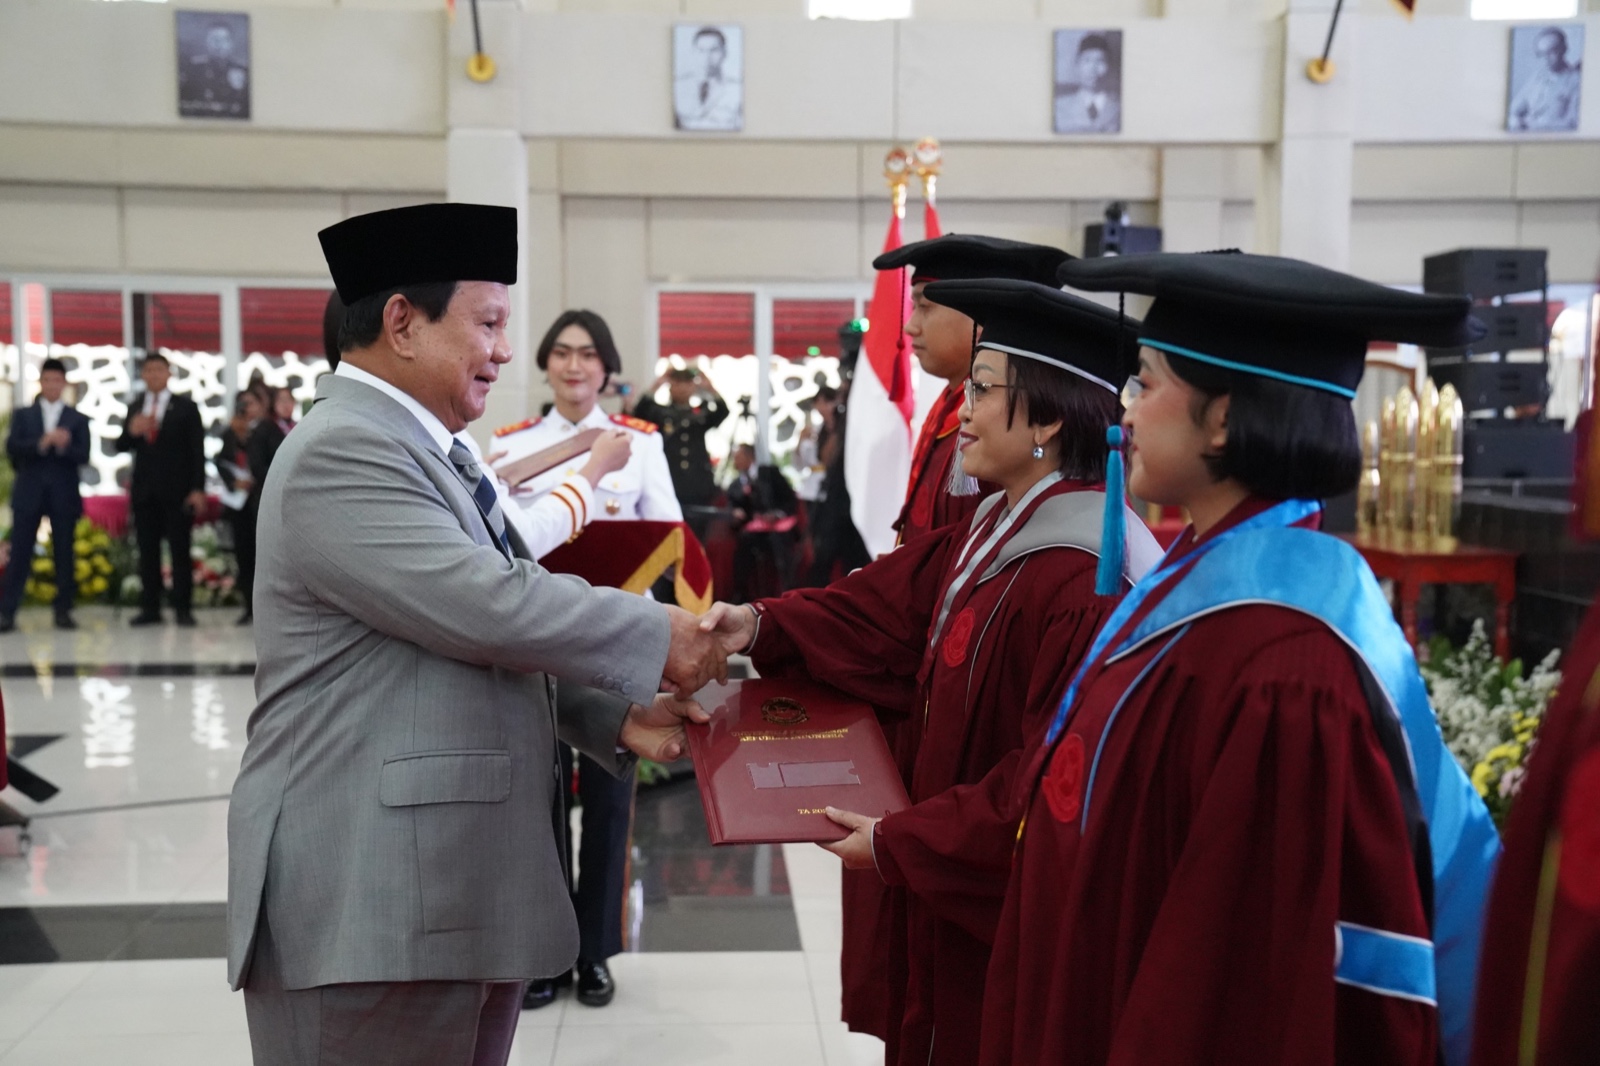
[697, 655]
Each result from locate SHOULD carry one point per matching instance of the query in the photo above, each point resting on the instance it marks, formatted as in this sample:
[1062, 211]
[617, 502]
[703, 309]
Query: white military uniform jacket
[557, 504]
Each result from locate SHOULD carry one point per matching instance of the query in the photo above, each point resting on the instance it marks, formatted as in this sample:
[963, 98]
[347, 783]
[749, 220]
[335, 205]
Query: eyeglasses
[977, 390]
[1132, 389]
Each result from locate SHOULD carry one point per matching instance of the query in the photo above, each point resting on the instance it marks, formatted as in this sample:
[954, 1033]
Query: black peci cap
[384, 250]
[1273, 317]
[1043, 323]
[968, 256]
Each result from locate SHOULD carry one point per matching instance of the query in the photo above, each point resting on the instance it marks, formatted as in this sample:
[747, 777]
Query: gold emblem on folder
[780, 710]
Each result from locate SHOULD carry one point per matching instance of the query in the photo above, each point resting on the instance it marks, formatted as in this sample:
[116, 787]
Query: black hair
[52, 364]
[598, 332]
[155, 357]
[332, 318]
[1084, 409]
[712, 31]
[362, 324]
[1556, 32]
[827, 392]
[1094, 41]
[1285, 442]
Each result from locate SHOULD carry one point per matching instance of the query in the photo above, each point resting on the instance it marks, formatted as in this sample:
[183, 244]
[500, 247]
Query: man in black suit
[167, 440]
[764, 505]
[48, 442]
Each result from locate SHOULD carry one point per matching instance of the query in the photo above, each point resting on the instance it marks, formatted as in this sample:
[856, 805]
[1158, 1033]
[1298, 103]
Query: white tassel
[960, 484]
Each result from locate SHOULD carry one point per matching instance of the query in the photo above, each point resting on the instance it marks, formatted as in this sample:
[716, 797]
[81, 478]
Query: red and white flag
[877, 452]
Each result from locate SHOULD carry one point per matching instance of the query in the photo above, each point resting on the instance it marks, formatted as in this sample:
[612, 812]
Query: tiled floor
[142, 730]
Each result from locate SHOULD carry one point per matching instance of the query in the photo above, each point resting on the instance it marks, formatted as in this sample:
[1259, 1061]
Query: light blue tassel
[1108, 579]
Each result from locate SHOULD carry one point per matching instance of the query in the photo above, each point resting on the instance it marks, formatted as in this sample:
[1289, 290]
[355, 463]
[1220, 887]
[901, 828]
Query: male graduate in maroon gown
[1225, 857]
[966, 626]
[941, 339]
[1539, 989]
[936, 496]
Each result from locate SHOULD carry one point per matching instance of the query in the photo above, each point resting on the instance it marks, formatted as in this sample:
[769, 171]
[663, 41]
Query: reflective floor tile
[690, 1045]
[184, 1049]
[703, 988]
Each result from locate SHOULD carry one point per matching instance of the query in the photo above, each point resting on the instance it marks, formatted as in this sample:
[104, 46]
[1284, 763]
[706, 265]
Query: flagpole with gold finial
[897, 167]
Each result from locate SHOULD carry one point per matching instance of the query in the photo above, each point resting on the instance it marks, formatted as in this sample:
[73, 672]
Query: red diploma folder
[776, 752]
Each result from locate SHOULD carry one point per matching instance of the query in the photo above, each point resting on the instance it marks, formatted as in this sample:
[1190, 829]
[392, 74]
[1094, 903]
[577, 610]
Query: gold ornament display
[1410, 490]
[897, 168]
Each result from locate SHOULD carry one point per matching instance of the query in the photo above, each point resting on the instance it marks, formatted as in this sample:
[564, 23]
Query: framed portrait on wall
[213, 64]
[708, 77]
[1088, 81]
[1546, 78]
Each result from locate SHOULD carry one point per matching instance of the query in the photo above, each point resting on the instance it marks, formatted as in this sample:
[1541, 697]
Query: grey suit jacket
[392, 819]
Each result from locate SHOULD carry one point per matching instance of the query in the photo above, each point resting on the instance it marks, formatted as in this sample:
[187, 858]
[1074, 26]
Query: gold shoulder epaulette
[516, 427]
[638, 424]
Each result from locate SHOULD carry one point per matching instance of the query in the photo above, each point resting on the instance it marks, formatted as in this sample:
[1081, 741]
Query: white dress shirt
[52, 413]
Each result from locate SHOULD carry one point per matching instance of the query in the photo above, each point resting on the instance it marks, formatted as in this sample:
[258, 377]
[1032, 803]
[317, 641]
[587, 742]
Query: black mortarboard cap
[968, 256]
[1041, 322]
[384, 250]
[1273, 317]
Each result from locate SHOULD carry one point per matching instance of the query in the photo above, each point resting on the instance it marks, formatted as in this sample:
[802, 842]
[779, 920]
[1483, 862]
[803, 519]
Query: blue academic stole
[1265, 561]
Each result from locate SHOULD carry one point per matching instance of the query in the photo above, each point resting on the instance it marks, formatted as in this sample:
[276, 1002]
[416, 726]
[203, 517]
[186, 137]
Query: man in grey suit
[397, 799]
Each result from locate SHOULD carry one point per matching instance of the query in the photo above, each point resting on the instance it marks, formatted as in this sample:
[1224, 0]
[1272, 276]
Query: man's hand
[855, 849]
[733, 624]
[694, 658]
[656, 732]
[141, 425]
[57, 438]
[195, 502]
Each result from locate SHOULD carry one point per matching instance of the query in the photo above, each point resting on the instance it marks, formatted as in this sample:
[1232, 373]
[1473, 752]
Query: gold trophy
[1448, 442]
[1370, 491]
[1405, 465]
[1427, 427]
[1386, 474]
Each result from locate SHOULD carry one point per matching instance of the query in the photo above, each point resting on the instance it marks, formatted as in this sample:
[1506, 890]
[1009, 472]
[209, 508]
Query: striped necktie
[482, 490]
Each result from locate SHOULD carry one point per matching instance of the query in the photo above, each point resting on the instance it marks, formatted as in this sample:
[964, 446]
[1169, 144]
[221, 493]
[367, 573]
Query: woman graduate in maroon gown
[965, 628]
[1224, 858]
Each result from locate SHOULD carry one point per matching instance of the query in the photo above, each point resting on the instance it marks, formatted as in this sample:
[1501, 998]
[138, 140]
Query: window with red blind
[275, 321]
[183, 321]
[801, 325]
[707, 323]
[81, 317]
[5, 311]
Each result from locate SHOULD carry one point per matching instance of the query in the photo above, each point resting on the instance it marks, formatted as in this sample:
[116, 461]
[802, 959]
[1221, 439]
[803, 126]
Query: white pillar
[487, 163]
[1303, 205]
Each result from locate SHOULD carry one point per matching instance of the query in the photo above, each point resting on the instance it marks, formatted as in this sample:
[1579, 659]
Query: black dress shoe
[595, 986]
[539, 994]
[64, 621]
[186, 620]
[245, 619]
[144, 618]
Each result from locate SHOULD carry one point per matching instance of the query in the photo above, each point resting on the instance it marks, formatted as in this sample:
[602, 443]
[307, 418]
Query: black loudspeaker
[1485, 272]
[1491, 386]
[1517, 449]
[1511, 327]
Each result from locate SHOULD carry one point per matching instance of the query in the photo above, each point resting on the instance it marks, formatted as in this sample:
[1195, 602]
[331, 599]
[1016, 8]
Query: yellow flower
[103, 565]
[1482, 774]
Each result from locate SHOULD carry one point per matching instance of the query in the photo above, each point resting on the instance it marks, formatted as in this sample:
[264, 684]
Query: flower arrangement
[215, 573]
[1488, 712]
[94, 567]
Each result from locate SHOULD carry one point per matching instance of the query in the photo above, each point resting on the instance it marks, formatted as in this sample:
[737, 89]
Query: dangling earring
[1038, 451]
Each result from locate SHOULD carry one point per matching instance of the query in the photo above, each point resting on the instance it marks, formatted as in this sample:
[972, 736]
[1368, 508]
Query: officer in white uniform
[578, 356]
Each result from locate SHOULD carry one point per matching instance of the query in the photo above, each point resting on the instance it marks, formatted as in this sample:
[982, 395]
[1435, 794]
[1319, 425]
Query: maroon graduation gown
[974, 700]
[1242, 806]
[1539, 986]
